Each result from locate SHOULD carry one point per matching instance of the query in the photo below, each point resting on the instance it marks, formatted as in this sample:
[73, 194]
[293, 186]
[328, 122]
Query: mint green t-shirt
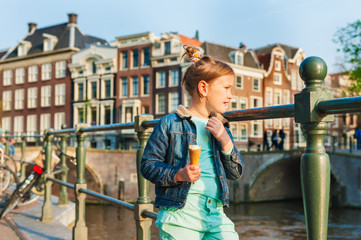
[208, 184]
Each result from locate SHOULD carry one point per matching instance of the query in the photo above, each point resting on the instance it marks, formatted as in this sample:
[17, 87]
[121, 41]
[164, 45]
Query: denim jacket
[167, 151]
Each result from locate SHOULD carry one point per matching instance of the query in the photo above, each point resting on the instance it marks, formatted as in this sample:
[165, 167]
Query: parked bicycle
[33, 183]
[8, 174]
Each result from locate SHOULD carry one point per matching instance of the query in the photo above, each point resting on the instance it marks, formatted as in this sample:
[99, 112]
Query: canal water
[255, 221]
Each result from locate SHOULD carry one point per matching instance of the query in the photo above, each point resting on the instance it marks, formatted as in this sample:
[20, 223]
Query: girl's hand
[190, 173]
[217, 129]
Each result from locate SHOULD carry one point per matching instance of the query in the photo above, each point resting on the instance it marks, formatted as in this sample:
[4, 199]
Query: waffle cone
[194, 154]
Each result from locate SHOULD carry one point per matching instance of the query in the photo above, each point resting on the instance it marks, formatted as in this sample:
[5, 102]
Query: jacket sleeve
[154, 166]
[232, 163]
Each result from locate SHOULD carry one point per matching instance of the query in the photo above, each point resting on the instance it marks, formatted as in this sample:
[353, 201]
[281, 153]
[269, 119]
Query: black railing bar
[111, 200]
[108, 127]
[62, 131]
[68, 185]
[340, 105]
[152, 215]
[280, 111]
[150, 123]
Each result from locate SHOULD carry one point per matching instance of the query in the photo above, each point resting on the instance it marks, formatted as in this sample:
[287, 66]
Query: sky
[307, 24]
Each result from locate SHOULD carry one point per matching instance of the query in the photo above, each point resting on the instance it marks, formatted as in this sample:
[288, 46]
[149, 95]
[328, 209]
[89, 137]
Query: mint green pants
[200, 218]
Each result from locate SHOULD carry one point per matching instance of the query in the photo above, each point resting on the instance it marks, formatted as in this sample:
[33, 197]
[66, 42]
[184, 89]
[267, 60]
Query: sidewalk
[24, 223]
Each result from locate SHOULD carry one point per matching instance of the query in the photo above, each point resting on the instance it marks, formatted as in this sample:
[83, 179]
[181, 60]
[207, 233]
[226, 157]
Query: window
[44, 122]
[286, 123]
[242, 103]
[160, 103]
[22, 50]
[278, 65]
[234, 131]
[233, 104]
[124, 60]
[32, 97]
[256, 102]
[269, 96]
[60, 69]
[243, 132]
[146, 57]
[174, 78]
[238, 59]
[277, 97]
[128, 114]
[59, 94]
[19, 75]
[256, 86]
[8, 77]
[45, 96]
[107, 115]
[124, 87]
[80, 115]
[7, 100]
[59, 119]
[19, 99]
[48, 45]
[94, 114]
[160, 79]
[146, 85]
[31, 124]
[294, 81]
[286, 97]
[18, 125]
[46, 71]
[239, 82]
[277, 78]
[93, 90]
[268, 123]
[135, 58]
[135, 86]
[108, 92]
[174, 101]
[80, 91]
[33, 73]
[6, 124]
[167, 48]
[256, 128]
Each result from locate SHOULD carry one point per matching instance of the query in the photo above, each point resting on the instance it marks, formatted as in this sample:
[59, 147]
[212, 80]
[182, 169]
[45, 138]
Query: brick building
[35, 80]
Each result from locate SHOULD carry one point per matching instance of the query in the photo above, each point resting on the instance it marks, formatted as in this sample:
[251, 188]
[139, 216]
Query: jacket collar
[183, 112]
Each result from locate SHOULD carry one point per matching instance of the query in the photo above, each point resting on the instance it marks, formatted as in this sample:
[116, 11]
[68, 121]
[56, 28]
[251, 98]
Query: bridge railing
[313, 109]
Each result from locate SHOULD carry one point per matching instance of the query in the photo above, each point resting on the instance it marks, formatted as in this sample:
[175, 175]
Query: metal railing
[313, 109]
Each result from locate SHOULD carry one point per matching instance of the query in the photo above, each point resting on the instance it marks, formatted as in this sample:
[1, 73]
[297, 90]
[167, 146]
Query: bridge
[313, 108]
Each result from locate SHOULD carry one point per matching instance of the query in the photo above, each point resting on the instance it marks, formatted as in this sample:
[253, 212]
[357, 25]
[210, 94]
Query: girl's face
[219, 94]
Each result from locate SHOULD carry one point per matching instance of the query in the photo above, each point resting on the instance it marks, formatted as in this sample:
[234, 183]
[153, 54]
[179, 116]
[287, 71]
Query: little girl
[195, 211]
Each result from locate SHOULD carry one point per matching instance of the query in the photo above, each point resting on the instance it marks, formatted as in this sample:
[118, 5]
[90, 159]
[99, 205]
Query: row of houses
[58, 74]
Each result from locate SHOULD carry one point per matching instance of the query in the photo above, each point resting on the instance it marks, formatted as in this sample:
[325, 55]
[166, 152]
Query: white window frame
[157, 103]
[259, 85]
[90, 89]
[171, 84]
[31, 122]
[7, 100]
[32, 97]
[18, 125]
[8, 77]
[142, 85]
[242, 82]
[158, 74]
[60, 69]
[33, 73]
[59, 119]
[6, 124]
[260, 130]
[172, 107]
[19, 75]
[122, 80]
[241, 102]
[277, 92]
[234, 101]
[45, 96]
[46, 71]
[259, 100]
[45, 122]
[104, 92]
[286, 96]
[269, 96]
[278, 65]
[234, 131]
[240, 132]
[60, 92]
[19, 99]
[277, 78]
[132, 86]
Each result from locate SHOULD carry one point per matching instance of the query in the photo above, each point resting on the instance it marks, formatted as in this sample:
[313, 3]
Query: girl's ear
[203, 88]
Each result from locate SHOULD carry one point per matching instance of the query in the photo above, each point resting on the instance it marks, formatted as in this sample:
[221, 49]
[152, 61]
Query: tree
[349, 39]
[197, 35]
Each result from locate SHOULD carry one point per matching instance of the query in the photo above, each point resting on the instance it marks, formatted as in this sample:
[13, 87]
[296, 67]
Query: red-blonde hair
[207, 69]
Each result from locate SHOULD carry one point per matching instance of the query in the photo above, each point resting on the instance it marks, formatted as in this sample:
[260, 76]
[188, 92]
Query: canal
[254, 221]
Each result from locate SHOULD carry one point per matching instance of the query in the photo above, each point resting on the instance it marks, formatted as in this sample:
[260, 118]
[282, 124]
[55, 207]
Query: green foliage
[349, 38]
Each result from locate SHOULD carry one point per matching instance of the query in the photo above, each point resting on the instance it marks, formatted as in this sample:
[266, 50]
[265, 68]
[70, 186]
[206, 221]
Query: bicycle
[23, 191]
[7, 174]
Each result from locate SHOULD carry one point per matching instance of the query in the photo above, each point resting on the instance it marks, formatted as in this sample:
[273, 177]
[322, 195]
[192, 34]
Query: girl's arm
[154, 166]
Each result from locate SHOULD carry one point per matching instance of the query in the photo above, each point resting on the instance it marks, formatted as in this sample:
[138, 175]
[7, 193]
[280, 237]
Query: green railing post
[63, 194]
[143, 201]
[22, 159]
[315, 163]
[47, 210]
[80, 230]
[7, 143]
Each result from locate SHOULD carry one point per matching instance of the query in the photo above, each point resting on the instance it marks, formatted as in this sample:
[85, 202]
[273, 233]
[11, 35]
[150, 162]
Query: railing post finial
[63, 194]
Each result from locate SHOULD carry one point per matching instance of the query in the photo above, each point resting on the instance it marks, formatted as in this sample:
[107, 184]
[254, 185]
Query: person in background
[12, 147]
[266, 146]
[282, 136]
[274, 139]
[357, 136]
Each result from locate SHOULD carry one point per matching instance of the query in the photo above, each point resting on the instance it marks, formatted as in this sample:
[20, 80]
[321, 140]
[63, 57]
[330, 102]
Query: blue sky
[309, 24]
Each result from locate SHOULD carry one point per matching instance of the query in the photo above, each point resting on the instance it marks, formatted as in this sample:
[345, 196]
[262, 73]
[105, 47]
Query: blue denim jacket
[167, 151]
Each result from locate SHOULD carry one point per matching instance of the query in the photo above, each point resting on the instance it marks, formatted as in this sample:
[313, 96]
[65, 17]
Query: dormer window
[49, 42]
[237, 58]
[23, 48]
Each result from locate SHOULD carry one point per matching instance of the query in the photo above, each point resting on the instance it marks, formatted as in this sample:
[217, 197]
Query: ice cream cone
[194, 154]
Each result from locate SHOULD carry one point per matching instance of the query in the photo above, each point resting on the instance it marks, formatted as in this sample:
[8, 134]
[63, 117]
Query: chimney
[32, 26]
[72, 18]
